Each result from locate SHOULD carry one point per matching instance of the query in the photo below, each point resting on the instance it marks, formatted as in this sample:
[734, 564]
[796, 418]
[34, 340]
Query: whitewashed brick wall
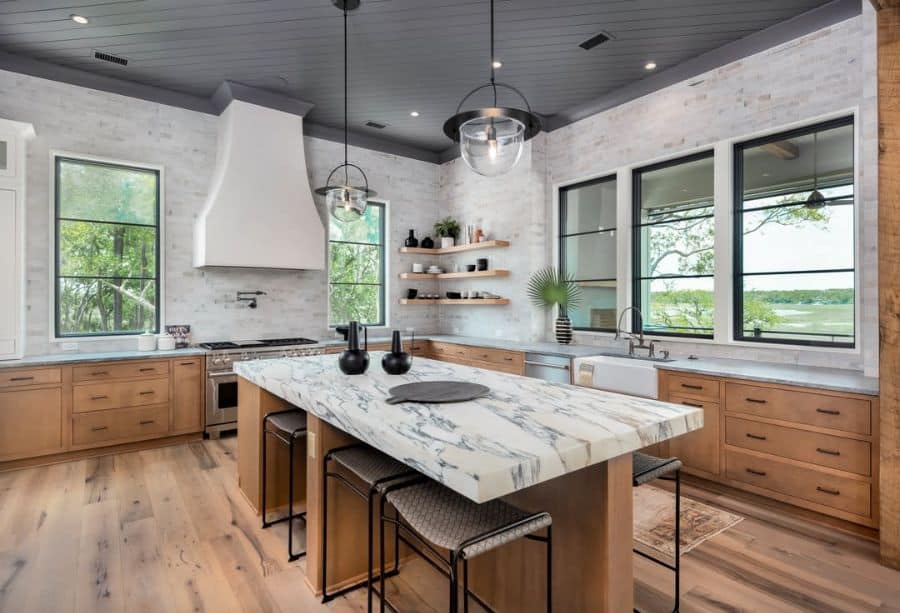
[87, 121]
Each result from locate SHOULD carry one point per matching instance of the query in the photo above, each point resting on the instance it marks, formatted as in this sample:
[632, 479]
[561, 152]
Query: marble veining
[524, 432]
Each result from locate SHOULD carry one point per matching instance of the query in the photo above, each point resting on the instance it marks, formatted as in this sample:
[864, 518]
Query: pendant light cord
[493, 86]
[346, 131]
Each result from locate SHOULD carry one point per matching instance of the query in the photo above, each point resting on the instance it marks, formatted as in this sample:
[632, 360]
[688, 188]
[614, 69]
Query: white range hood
[260, 211]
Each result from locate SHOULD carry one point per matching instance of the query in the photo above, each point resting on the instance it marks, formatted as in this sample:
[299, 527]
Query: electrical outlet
[69, 346]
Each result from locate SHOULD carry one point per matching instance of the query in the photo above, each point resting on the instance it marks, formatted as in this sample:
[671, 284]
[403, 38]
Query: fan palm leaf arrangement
[548, 287]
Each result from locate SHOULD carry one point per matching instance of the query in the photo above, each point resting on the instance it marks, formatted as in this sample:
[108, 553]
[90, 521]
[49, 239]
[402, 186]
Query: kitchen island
[542, 446]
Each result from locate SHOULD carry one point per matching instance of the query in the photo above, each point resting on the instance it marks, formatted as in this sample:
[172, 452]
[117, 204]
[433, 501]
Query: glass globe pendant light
[491, 139]
[346, 199]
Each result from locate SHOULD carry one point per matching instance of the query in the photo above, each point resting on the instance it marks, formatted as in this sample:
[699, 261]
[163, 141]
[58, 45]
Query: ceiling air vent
[109, 57]
[376, 125]
[598, 39]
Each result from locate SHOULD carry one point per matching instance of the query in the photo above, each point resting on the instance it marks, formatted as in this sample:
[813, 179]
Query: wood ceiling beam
[889, 276]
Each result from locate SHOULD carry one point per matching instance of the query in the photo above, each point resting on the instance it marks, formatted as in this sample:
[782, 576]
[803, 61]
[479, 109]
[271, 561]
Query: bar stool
[286, 427]
[375, 470]
[646, 468]
[436, 516]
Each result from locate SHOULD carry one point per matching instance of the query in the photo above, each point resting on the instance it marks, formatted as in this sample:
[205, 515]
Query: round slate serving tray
[437, 391]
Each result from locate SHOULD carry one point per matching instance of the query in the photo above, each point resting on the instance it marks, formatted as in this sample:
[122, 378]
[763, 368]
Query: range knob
[217, 359]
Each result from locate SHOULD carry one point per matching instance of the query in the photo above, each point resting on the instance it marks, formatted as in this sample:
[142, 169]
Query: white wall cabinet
[13, 136]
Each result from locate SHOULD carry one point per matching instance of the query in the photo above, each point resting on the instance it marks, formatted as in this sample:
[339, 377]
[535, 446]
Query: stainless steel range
[221, 382]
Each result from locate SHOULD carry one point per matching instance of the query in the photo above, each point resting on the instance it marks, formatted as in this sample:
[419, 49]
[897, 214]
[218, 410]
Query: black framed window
[673, 238]
[356, 269]
[587, 250]
[794, 246]
[107, 248]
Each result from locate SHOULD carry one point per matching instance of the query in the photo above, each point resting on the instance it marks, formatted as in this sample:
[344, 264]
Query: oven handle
[215, 375]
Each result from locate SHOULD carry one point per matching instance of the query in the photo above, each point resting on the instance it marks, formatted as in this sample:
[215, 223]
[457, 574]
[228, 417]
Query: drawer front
[121, 370]
[127, 424]
[693, 386]
[99, 396]
[501, 357]
[822, 449]
[836, 412]
[842, 493]
[442, 350]
[506, 367]
[34, 376]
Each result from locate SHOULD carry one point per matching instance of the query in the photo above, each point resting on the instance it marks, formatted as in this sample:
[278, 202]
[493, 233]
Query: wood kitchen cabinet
[31, 417]
[187, 395]
[700, 451]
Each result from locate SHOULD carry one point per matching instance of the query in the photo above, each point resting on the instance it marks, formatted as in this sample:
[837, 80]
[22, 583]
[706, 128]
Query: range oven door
[221, 398]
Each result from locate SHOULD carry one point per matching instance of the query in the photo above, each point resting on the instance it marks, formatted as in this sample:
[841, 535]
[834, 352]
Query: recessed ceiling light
[497, 64]
[650, 66]
[81, 19]
[414, 114]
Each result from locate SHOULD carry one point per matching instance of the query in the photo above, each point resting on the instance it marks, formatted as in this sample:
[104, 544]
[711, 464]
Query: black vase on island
[397, 362]
[355, 361]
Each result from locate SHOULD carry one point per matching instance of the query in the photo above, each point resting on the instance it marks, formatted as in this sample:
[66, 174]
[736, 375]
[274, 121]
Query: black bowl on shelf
[454, 295]
[470, 267]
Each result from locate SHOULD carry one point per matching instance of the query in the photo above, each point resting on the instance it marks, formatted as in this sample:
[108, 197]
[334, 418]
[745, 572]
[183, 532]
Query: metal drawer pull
[187, 363]
[755, 400]
[97, 373]
[147, 369]
[828, 411]
[825, 490]
[828, 451]
[691, 387]
[692, 404]
[758, 473]
[100, 397]
[99, 428]
[756, 437]
[22, 378]
[147, 392]
[144, 422]
[508, 359]
[557, 366]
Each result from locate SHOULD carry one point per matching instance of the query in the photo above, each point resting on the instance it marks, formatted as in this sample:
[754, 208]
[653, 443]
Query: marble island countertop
[525, 432]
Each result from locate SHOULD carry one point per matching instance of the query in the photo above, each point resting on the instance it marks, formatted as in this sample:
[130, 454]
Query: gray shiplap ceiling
[406, 55]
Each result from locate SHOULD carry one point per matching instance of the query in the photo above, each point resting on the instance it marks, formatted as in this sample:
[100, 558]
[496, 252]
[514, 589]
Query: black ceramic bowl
[454, 295]
[470, 267]
[411, 293]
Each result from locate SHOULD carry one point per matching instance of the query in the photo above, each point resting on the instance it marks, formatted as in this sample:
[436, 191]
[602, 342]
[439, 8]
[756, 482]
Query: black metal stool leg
[466, 585]
[677, 541]
[265, 524]
[371, 550]
[454, 582]
[549, 569]
[324, 528]
[382, 594]
[291, 556]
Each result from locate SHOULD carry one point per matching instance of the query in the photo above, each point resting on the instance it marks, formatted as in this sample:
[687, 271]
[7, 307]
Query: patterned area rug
[654, 522]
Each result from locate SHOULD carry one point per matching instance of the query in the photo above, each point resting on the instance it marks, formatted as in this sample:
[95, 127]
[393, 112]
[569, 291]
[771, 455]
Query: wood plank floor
[167, 530]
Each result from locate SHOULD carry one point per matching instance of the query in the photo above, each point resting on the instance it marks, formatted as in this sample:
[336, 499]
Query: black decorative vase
[397, 362]
[411, 240]
[563, 330]
[355, 361]
[427, 243]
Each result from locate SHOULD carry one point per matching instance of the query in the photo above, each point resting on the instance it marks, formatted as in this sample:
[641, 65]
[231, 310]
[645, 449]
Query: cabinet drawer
[113, 395]
[842, 493]
[441, 350]
[502, 357]
[693, 386]
[507, 367]
[836, 412]
[36, 376]
[121, 370]
[822, 449]
[127, 424]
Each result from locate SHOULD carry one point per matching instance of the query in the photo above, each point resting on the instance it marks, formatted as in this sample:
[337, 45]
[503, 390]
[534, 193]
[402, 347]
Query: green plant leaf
[547, 288]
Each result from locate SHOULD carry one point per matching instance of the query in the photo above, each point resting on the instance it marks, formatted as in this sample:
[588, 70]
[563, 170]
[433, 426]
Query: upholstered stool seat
[646, 468]
[371, 466]
[287, 423]
[286, 427]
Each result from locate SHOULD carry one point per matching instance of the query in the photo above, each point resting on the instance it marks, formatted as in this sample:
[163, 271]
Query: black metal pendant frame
[346, 6]
[528, 118]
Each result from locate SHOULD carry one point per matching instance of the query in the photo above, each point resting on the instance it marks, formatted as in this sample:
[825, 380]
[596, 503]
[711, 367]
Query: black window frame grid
[57, 160]
[562, 236]
[636, 242]
[737, 253]
[382, 272]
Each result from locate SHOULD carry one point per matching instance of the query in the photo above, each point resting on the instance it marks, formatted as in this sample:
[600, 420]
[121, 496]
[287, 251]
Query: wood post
[889, 272]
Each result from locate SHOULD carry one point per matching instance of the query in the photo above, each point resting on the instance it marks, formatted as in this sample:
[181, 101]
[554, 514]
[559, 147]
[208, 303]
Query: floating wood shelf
[455, 248]
[473, 301]
[424, 276]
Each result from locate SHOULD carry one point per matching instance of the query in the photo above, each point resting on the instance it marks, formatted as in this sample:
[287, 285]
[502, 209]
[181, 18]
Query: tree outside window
[107, 248]
[356, 266]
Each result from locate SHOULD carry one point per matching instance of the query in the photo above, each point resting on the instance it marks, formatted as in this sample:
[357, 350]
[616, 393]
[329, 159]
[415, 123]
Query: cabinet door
[9, 275]
[187, 402]
[30, 423]
[699, 450]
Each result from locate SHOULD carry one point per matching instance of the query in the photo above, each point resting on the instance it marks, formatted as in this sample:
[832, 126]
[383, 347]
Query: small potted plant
[448, 230]
[547, 288]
